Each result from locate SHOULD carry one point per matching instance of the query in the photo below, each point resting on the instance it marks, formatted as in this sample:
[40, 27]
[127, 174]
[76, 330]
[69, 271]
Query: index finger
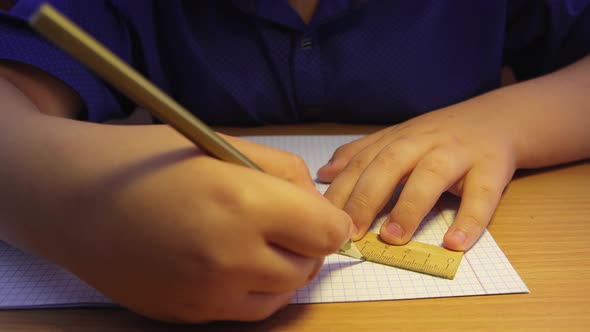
[279, 163]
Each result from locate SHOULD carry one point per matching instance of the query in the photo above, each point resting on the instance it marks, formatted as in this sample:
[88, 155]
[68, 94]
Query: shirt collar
[280, 12]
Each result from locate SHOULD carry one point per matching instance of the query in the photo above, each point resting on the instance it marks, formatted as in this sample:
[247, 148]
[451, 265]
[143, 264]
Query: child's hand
[176, 235]
[470, 149]
[145, 217]
[459, 149]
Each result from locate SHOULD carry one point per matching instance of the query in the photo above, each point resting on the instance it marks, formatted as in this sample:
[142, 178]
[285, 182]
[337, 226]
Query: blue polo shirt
[253, 62]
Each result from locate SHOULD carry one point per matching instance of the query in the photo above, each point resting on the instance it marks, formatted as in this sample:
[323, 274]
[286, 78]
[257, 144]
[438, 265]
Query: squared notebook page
[27, 281]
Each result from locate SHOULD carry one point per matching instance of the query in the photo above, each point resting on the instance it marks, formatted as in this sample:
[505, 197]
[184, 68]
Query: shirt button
[306, 43]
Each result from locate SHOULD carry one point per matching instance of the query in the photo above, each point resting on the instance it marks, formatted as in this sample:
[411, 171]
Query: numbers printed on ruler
[414, 256]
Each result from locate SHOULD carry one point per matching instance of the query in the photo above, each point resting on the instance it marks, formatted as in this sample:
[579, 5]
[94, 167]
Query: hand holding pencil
[163, 229]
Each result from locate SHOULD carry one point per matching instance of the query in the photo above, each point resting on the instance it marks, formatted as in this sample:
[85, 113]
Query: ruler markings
[414, 256]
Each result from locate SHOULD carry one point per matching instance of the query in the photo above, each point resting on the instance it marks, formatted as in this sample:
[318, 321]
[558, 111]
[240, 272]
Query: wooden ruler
[414, 256]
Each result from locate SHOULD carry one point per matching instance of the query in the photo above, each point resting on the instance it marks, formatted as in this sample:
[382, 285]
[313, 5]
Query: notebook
[27, 281]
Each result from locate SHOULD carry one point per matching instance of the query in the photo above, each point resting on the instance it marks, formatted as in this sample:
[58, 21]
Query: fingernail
[395, 229]
[459, 237]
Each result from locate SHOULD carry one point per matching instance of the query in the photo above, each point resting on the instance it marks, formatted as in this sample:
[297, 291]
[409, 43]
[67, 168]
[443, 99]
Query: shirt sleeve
[18, 42]
[542, 36]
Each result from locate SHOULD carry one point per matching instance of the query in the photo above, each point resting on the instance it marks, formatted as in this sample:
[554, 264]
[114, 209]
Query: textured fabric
[255, 62]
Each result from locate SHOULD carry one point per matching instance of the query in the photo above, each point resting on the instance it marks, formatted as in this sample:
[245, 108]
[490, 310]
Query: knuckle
[457, 140]
[336, 197]
[232, 201]
[299, 167]
[290, 167]
[359, 200]
[298, 162]
[471, 221]
[387, 157]
[487, 191]
[343, 151]
[405, 210]
[404, 143]
[355, 166]
[437, 164]
[395, 153]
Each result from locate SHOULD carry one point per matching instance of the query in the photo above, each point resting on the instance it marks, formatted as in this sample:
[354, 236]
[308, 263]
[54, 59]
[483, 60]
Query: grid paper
[27, 281]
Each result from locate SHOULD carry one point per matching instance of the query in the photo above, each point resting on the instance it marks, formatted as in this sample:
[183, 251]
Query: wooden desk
[542, 225]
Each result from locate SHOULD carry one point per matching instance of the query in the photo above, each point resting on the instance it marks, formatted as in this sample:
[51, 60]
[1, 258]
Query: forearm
[31, 161]
[51, 165]
[548, 116]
